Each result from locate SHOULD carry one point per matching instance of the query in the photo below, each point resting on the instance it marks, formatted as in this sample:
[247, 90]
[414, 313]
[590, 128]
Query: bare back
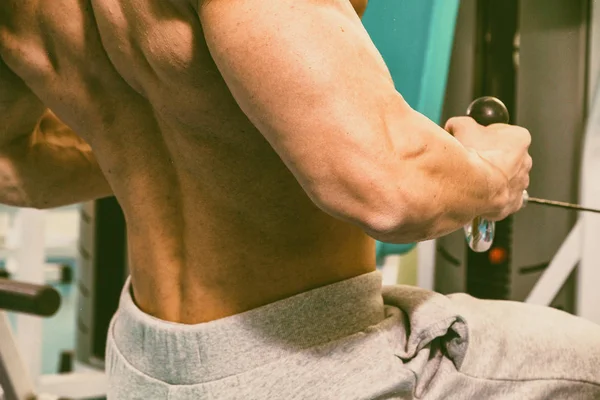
[217, 224]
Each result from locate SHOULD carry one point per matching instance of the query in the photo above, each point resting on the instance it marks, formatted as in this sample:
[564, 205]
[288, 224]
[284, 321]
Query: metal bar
[28, 255]
[561, 204]
[563, 263]
[28, 298]
[14, 377]
[588, 294]
[426, 264]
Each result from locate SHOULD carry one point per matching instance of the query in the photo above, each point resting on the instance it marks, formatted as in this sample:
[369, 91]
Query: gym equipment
[39, 300]
[102, 275]
[580, 248]
[496, 42]
[59, 252]
[28, 253]
[54, 272]
[480, 232]
[553, 203]
[26, 298]
[419, 66]
[485, 111]
[383, 250]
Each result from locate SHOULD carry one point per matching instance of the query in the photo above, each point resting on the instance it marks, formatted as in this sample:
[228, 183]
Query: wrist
[496, 184]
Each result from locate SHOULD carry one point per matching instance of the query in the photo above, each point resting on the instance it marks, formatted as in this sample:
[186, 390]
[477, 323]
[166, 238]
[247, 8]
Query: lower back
[233, 232]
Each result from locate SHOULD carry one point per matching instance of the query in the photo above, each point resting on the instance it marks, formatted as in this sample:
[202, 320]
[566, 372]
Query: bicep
[307, 75]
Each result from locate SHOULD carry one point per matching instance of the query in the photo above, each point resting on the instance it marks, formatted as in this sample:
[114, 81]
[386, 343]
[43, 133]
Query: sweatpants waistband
[182, 354]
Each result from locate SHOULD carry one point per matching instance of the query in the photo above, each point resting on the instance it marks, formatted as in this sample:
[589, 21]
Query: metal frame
[579, 249]
[588, 295]
[563, 263]
[14, 377]
[581, 245]
[16, 382]
[20, 356]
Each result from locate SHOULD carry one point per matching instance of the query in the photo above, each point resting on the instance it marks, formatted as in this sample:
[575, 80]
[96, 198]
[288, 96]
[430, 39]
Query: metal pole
[29, 256]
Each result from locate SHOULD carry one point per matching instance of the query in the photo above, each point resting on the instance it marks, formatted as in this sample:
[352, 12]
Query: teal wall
[415, 38]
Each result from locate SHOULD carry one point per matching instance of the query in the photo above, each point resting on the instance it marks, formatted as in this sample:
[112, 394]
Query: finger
[528, 163]
[520, 202]
[526, 137]
[460, 124]
[516, 204]
[523, 174]
[526, 181]
[520, 182]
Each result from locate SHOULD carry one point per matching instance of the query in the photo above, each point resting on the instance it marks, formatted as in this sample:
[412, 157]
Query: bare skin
[210, 207]
[221, 216]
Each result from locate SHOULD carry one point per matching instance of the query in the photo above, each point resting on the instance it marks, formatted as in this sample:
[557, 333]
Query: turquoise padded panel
[415, 39]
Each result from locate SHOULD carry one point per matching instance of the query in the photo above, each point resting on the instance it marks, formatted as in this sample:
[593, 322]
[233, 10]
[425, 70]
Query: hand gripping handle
[486, 111]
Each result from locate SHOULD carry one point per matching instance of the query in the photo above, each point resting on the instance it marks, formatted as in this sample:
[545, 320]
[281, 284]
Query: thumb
[459, 124]
[462, 128]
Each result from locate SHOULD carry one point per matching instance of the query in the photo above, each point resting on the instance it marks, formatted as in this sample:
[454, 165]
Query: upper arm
[310, 79]
[43, 163]
[20, 109]
[24, 116]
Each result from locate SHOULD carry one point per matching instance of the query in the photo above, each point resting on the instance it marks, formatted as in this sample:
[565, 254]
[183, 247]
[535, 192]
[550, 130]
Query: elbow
[385, 213]
[387, 227]
[403, 216]
[406, 223]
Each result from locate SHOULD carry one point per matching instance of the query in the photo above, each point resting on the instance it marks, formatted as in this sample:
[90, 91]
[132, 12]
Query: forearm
[49, 169]
[425, 185]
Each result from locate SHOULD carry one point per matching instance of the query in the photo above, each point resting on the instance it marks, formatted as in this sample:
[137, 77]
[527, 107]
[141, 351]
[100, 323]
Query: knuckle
[519, 203]
[526, 135]
[528, 162]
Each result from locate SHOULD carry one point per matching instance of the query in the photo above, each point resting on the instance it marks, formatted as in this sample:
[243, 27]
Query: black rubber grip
[42, 300]
[488, 110]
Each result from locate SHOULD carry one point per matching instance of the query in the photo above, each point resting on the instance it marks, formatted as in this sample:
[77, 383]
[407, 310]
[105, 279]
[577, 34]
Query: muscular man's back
[237, 136]
[215, 218]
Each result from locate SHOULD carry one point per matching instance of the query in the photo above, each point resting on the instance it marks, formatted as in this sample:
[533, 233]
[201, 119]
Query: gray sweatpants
[357, 340]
